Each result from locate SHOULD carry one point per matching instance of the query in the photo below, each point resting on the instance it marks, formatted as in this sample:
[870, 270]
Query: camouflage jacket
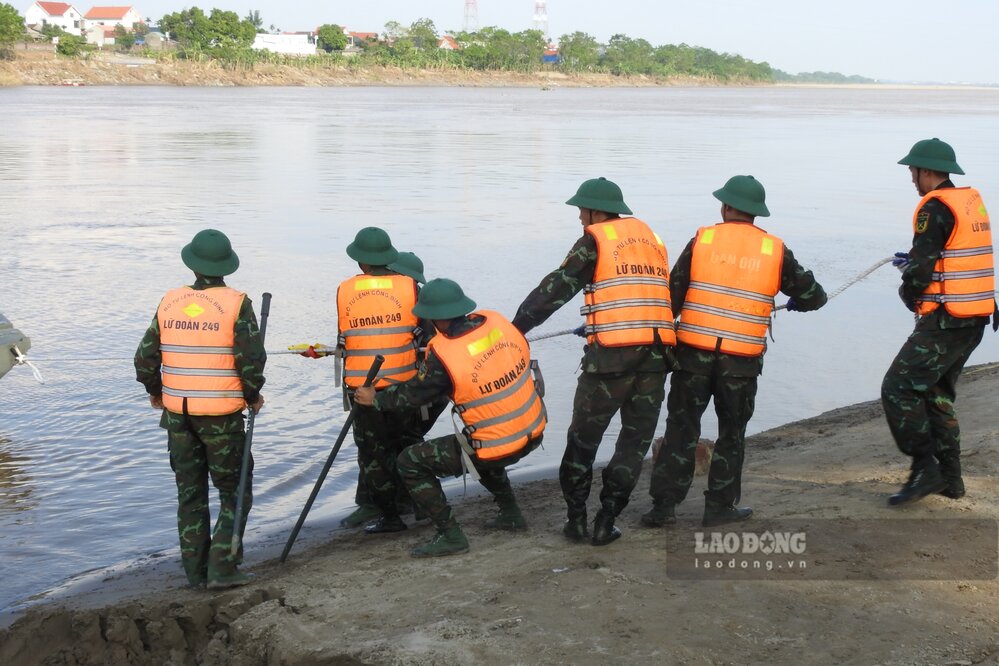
[559, 287]
[795, 281]
[927, 245]
[250, 360]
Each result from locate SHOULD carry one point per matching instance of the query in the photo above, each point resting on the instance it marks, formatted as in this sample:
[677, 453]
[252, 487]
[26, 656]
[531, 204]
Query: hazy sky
[894, 40]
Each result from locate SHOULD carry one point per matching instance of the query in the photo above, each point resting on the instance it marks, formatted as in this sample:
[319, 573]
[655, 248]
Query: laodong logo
[749, 543]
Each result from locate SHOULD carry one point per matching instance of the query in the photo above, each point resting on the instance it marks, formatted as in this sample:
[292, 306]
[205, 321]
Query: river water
[100, 187]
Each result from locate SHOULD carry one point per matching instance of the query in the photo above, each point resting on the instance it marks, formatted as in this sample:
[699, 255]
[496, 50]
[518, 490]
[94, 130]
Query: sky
[888, 40]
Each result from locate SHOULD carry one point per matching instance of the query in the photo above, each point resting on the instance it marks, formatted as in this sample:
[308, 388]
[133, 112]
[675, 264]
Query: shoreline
[42, 68]
[347, 597]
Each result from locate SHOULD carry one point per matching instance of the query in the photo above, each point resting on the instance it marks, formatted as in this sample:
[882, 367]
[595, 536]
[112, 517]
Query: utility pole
[541, 17]
[471, 16]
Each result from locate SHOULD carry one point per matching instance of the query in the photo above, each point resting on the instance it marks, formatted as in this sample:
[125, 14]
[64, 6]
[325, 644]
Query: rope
[553, 334]
[860, 276]
[22, 360]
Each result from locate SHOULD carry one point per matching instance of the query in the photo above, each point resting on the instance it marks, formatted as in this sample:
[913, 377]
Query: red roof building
[54, 8]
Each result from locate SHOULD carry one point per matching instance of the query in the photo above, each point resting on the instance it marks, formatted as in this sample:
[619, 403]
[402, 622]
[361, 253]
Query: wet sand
[349, 598]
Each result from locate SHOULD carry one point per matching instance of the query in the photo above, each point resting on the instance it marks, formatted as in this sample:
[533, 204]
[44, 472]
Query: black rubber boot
[723, 515]
[385, 525]
[923, 480]
[661, 514]
[575, 528]
[950, 470]
[604, 531]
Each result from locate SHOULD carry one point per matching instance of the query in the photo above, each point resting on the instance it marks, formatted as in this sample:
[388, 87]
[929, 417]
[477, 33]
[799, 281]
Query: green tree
[11, 29]
[423, 34]
[331, 38]
[579, 51]
[628, 56]
[394, 30]
[123, 39]
[222, 29]
[253, 18]
[71, 45]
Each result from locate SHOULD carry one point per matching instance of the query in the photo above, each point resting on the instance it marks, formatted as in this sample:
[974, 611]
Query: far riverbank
[37, 68]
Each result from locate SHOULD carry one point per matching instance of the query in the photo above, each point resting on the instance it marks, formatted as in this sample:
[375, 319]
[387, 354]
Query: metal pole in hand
[244, 468]
[329, 461]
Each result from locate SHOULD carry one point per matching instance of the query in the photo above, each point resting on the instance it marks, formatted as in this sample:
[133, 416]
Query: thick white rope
[21, 359]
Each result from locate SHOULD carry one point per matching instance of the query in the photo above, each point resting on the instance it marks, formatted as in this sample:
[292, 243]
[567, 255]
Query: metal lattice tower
[541, 16]
[471, 16]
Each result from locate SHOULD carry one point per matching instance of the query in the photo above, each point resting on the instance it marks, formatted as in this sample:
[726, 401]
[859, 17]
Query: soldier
[622, 267]
[723, 286]
[950, 265]
[202, 361]
[420, 421]
[483, 364]
[375, 317]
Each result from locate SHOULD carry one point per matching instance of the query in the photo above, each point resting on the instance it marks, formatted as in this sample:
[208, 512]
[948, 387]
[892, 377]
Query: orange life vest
[197, 334]
[494, 391]
[627, 304]
[963, 277]
[734, 275]
[375, 316]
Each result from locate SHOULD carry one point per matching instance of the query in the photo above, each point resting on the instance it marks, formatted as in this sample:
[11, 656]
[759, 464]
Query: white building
[109, 17]
[288, 43]
[59, 14]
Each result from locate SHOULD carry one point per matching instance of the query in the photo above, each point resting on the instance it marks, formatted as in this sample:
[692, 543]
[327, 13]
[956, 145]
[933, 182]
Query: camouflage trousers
[673, 471]
[919, 389]
[380, 437]
[638, 396]
[194, 457]
[421, 465]
[413, 426]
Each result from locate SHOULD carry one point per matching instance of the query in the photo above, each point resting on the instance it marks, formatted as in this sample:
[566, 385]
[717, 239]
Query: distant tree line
[224, 36]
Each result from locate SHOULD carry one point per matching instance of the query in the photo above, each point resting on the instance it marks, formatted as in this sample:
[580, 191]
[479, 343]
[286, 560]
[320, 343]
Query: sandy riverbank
[44, 68]
[535, 598]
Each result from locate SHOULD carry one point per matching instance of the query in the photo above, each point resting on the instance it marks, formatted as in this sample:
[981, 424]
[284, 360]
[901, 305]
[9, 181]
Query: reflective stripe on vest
[627, 304]
[963, 277]
[197, 333]
[493, 389]
[734, 275]
[375, 316]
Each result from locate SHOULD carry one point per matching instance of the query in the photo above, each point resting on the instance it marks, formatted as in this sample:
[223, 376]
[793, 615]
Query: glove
[792, 306]
[581, 331]
[901, 260]
[309, 353]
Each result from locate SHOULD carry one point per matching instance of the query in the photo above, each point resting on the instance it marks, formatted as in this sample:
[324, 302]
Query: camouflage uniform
[625, 379]
[729, 379]
[381, 437]
[420, 465]
[919, 388]
[203, 446]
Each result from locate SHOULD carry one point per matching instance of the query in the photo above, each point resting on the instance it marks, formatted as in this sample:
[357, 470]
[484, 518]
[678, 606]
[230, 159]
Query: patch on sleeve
[421, 373]
[922, 221]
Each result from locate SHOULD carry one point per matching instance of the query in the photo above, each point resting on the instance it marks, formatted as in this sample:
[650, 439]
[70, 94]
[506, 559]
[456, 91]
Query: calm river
[100, 187]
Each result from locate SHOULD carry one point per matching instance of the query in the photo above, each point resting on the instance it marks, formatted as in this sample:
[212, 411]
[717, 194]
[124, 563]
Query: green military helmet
[600, 194]
[410, 265]
[932, 154]
[210, 253]
[442, 299]
[744, 193]
[372, 246]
